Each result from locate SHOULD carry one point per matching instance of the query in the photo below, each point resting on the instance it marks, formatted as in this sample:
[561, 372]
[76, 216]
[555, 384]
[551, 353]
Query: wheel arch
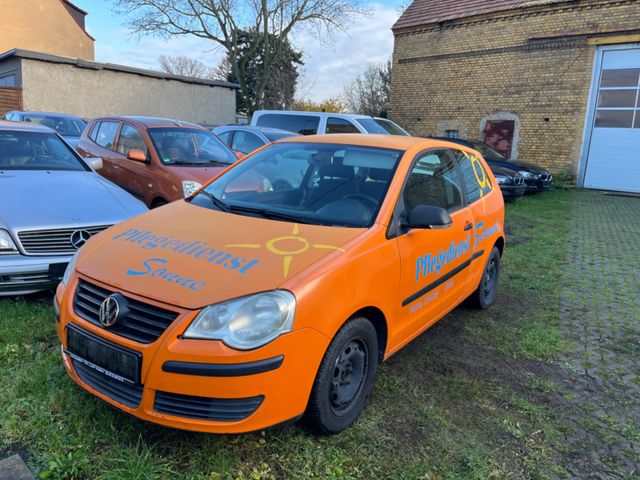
[500, 244]
[379, 322]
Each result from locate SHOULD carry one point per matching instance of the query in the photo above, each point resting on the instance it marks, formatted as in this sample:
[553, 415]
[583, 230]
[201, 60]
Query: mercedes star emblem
[79, 238]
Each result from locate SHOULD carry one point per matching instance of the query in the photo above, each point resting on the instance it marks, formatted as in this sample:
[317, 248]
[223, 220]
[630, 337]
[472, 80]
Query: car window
[106, 134]
[381, 126]
[246, 142]
[324, 184]
[487, 151]
[65, 126]
[475, 178]
[272, 136]
[94, 131]
[433, 181]
[130, 139]
[36, 151]
[226, 136]
[302, 124]
[340, 125]
[189, 146]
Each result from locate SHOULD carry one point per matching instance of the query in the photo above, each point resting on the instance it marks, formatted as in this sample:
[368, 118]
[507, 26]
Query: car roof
[306, 112]
[48, 114]
[151, 122]
[7, 126]
[396, 142]
[256, 128]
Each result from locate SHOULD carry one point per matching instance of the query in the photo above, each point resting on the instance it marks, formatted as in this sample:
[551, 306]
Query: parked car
[52, 203]
[511, 183]
[321, 123]
[68, 127]
[245, 138]
[257, 307]
[536, 178]
[156, 159]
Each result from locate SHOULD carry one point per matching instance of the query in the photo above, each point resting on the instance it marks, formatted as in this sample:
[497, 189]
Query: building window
[452, 133]
[619, 99]
[8, 81]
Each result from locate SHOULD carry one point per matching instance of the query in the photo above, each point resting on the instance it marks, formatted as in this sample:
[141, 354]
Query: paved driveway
[601, 321]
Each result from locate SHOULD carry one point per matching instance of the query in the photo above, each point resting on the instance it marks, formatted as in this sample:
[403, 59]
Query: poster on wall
[499, 134]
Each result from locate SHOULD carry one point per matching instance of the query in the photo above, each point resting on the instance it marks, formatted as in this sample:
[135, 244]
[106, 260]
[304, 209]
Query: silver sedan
[51, 203]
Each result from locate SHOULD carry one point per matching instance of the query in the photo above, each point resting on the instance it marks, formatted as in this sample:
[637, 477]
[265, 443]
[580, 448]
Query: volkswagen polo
[241, 308]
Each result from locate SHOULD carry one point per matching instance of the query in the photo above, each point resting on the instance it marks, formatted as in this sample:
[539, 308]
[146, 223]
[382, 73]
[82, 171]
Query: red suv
[156, 159]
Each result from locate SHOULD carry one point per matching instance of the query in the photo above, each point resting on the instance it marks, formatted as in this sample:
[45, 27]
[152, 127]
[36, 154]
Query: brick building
[555, 82]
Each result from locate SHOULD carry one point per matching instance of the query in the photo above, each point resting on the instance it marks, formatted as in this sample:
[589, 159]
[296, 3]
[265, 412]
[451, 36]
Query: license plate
[113, 360]
[56, 270]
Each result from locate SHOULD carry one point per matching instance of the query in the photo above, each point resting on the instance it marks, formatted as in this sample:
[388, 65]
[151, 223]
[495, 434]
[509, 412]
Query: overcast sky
[327, 67]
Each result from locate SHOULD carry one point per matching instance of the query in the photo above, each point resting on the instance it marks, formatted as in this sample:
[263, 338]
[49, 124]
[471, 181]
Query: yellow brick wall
[456, 74]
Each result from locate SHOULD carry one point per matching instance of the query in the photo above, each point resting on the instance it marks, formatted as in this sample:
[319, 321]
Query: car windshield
[36, 151]
[486, 151]
[278, 136]
[323, 184]
[65, 126]
[382, 126]
[191, 147]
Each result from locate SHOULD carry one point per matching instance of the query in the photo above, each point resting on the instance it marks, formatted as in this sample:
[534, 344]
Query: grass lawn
[466, 400]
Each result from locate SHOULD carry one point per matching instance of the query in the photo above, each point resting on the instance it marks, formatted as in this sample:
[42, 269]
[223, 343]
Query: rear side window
[302, 124]
[226, 137]
[130, 139]
[474, 176]
[340, 125]
[246, 142]
[106, 134]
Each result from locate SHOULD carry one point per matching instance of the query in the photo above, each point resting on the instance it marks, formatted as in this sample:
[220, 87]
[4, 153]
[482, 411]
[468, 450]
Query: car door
[137, 177]
[434, 260]
[486, 211]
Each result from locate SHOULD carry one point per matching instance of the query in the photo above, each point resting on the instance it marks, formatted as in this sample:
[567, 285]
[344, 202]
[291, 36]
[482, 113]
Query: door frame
[591, 106]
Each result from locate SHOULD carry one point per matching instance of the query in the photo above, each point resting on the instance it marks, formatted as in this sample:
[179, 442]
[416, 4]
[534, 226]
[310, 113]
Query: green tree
[368, 94]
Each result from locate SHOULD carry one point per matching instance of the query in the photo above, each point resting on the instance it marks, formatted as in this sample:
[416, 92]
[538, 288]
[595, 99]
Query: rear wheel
[345, 378]
[485, 294]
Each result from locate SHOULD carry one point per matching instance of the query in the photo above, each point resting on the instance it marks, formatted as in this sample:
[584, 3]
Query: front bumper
[512, 192]
[538, 185]
[203, 385]
[22, 274]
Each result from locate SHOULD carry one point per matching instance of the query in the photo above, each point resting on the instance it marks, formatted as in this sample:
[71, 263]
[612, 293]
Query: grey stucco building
[43, 82]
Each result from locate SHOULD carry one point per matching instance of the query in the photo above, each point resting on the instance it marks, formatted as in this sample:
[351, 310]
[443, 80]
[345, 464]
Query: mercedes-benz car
[52, 203]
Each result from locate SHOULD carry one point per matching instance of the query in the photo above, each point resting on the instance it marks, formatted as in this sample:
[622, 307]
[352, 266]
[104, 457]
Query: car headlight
[7, 245]
[70, 268]
[247, 322]
[189, 187]
[526, 174]
[502, 179]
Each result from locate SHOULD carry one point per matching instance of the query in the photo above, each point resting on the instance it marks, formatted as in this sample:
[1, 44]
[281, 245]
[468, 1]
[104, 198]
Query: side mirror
[428, 216]
[94, 163]
[136, 155]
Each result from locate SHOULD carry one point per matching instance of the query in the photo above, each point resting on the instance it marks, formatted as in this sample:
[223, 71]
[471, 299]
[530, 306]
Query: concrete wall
[43, 26]
[533, 64]
[90, 93]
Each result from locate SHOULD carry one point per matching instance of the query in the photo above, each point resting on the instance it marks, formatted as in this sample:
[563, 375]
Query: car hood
[199, 174]
[517, 166]
[503, 171]
[59, 199]
[190, 256]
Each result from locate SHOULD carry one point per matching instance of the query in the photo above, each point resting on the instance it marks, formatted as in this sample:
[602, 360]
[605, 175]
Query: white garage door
[613, 155]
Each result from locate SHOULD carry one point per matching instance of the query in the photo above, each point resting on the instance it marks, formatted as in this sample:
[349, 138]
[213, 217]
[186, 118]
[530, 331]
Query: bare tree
[222, 21]
[368, 94]
[188, 67]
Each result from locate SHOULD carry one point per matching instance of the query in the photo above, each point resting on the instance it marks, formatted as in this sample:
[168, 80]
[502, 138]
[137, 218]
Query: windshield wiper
[215, 200]
[268, 214]
[204, 163]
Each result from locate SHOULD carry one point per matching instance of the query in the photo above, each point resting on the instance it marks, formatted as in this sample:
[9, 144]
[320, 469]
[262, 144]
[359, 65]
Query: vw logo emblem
[79, 238]
[109, 311]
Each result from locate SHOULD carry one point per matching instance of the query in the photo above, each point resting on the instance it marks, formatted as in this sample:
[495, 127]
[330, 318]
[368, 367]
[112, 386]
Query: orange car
[157, 160]
[238, 309]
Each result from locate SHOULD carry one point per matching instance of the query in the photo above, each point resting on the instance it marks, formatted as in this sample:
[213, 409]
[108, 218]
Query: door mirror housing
[427, 216]
[94, 163]
[136, 155]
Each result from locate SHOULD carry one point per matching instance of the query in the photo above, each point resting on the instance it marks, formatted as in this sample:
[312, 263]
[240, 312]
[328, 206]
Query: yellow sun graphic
[287, 255]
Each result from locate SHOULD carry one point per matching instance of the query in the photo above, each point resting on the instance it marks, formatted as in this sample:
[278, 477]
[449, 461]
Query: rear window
[302, 124]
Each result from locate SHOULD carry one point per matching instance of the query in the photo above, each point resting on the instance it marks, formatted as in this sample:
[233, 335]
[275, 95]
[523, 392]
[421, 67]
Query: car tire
[485, 294]
[345, 378]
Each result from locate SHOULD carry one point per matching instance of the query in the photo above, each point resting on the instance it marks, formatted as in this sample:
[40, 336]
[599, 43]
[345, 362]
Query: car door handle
[468, 226]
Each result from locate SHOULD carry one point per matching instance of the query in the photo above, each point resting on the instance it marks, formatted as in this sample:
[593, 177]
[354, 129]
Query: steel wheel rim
[349, 376]
[490, 278]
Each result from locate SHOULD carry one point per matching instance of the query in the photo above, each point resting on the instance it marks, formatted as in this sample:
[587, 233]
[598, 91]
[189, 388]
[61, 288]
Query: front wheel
[345, 378]
[485, 294]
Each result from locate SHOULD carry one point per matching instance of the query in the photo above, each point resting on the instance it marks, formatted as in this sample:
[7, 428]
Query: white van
[320, 123]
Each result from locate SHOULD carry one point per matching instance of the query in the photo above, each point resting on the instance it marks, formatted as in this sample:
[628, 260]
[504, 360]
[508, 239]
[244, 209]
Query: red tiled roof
[423, 12]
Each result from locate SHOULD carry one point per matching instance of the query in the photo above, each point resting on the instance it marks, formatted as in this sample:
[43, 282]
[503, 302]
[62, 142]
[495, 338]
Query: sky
[328, 65]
